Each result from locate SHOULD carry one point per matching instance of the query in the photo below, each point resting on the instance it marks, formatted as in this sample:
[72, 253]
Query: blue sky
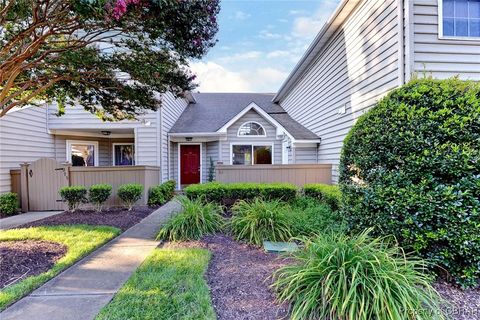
[260, 41]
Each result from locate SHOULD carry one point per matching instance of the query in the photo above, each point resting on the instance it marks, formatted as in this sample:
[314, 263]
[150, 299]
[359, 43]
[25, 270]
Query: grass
[260, 220]
[196, 219]
[79, 240]
[169, 284]
[356, 278]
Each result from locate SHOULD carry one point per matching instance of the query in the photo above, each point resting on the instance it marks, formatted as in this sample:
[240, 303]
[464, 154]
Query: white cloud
[279, 54]
[265, 34]
[248, 55]
[240, 15]
[307, 26]
[213, 77]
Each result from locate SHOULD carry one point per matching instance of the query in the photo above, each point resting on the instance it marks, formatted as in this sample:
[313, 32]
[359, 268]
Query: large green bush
[8, 203]
[130, 193]
[328, 194]
[411, 167]
[228, 193]
[98, 194]
[358, 278]
[161, 194]
[74, 196]
[195, 220]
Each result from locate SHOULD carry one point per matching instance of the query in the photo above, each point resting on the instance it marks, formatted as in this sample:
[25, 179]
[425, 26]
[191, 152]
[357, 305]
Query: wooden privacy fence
[298, 174]
[37, 184]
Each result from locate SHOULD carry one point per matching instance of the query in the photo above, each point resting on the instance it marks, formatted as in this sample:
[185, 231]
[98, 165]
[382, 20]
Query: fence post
[24, 186]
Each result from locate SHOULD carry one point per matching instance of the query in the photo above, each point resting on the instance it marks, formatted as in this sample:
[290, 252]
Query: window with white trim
[123, 154]
[82, 153]
[251, 128]
[247, 154]
[460, 18]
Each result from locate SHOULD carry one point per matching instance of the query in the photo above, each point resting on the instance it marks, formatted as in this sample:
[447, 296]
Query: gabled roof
[212, 111]
[339, 16]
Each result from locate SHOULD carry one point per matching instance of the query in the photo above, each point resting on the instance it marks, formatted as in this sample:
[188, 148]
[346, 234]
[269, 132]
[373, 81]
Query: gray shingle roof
[213, 110]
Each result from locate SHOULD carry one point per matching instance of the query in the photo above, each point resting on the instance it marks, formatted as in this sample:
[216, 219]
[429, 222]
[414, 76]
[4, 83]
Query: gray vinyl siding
[358, 65]
[147, 141]
[270, 139]
[23, 138]
[174, 162]
[441, 58]
[170, 112]
[212, 151]
[306, 155]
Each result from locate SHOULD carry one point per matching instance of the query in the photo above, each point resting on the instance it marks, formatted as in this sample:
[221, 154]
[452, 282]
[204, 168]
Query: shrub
[98, 194]
[130, 193]
[161, 194]
[196, 220]
[310, 217]
[337, 277]
[74, 196]
[328, 194]
[8, 203]
[410, 167]
[260, 220]
[228, 193]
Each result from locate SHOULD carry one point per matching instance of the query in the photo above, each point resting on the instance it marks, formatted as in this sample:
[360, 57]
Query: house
[369, 47]
[366, 49]
[182, 138]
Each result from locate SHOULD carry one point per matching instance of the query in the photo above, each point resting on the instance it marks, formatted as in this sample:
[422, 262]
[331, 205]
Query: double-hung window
[459, 18]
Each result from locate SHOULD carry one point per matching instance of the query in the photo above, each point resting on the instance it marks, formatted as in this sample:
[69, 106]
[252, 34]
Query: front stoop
[82, 290]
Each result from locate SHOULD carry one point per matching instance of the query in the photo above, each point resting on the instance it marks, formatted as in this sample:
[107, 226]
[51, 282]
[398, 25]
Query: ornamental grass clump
[98, 194]
[356, 278]
[196, 219]
[260, 220]
[130, 193]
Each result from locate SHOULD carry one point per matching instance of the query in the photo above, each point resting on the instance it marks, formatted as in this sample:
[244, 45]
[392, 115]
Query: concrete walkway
[82, 290]
[19, 219]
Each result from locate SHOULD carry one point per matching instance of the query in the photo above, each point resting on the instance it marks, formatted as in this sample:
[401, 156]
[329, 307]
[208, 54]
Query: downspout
[401, 41]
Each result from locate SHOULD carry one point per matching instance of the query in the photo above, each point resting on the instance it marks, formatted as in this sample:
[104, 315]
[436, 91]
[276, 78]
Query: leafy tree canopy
[111, 56]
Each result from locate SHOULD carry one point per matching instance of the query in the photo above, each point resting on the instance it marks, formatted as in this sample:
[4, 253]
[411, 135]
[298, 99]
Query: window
[460, 18]
[123, 154]
[82, 153]
[251, 129]
[251, 154]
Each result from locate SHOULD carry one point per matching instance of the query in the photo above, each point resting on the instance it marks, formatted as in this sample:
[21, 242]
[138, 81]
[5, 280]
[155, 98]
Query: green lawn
[79, 239]
[169, 284]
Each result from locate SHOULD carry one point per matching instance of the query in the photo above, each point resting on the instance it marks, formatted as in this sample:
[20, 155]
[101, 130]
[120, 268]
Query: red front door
[189, 164]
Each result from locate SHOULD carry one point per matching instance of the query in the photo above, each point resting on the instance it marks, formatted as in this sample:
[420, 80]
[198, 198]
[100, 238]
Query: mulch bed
[464, 304]
[239, 278]
[116, 217]
[22, 259]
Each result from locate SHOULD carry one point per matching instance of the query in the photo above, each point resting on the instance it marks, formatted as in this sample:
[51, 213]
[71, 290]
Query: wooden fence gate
[45, 177]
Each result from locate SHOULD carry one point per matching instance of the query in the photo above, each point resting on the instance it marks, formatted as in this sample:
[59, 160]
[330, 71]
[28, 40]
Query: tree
[113, 57]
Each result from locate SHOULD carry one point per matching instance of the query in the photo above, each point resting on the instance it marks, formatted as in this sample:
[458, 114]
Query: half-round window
[251, 129]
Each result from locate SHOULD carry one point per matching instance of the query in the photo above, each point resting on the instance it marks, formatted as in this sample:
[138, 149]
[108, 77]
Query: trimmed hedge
[74, 196]
[229, 193]
[8, 203]
[130, 193]
[411, 167]
[98, 194]
[161, 194]
[325, 193]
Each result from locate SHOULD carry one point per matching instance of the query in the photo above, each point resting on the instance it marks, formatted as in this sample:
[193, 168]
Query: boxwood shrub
[98, 194]
[8, 203]
[229, 193]
[74, 196]
[161, 194]
[328, 194]
[411, 167]
[130, 193]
